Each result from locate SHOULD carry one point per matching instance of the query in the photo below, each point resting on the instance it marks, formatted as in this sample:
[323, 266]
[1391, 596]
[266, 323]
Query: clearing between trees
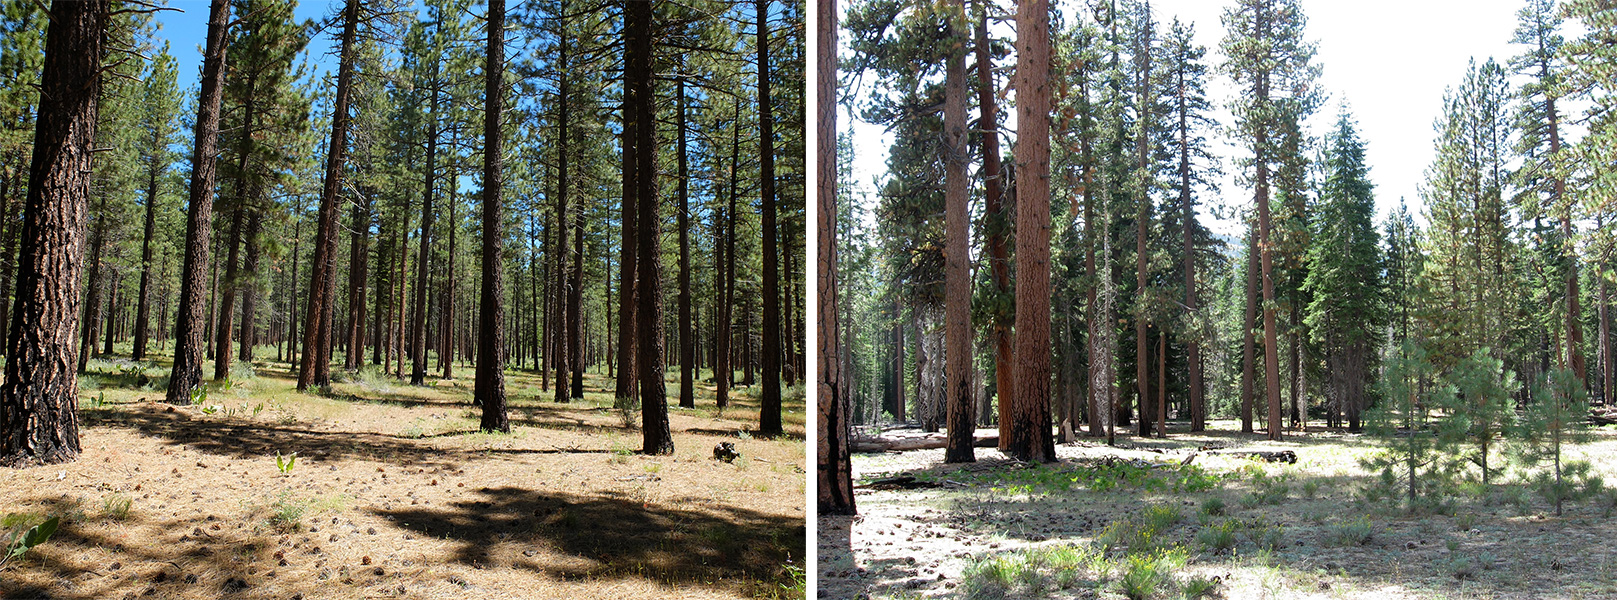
[394, 493]
[1138, 521]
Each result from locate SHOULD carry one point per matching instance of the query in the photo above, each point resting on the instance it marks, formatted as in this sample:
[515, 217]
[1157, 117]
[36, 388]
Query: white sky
[1390, 60]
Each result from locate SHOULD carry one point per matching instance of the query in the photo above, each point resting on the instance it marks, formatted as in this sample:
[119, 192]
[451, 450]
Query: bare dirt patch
[1296, 528]
[394, 494]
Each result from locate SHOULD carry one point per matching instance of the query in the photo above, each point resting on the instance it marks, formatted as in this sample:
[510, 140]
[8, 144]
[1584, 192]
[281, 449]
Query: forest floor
[1229, 527]
[395, 494]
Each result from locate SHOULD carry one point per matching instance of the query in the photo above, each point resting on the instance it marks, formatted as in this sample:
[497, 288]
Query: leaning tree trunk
[490, 386]
[315, 369]
[835, 467]
[186, 374]
[640, 108]
[769, 417]
[1030, 431]
[957, 346]
[38, 420]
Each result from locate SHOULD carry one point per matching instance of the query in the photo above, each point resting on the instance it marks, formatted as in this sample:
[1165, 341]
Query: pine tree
[1481, 403]
[1268, 58]
[159, 129]
[1557, 418]
[1346, 312]
[1030, 428]
[38, 420]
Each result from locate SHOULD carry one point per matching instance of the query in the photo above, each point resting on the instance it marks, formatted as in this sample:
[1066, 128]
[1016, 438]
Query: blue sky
[187, 33]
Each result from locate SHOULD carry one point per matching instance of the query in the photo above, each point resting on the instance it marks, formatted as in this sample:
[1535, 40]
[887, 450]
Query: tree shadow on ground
[256, 439]
[616, 535]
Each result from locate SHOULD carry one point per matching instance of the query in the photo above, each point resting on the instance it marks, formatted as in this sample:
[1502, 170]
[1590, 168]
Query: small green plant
[98, 400]
[1218, 539]
[19, 541]
[117, 506]
[1310, 489]
[258, 409]
[1161, 517]
[1462, 568]
[1352, 533]
[744, 434]
[1213, 506]
[1465, 522]
[1199, 587]
[1144, 574]
[210, 409]
[199, 395]
[285, 464]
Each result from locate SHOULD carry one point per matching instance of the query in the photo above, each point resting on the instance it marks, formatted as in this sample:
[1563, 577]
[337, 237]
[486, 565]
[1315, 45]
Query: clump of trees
[472, 183]
[1316, 313]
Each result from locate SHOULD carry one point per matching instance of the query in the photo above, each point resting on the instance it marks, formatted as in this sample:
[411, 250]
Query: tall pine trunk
[38, 420]
[1030, 430]
[957, 346]
[186, 374]
[143, 303]
[995, 219]
[315, 368]
[687, 341]
[769, 417]
[640, 109]
[249, 288]
[490, 386]
[835, 467]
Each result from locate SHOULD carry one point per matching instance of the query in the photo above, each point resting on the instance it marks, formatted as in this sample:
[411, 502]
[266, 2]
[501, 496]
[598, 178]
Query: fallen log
[1285, 456]
[913, 442]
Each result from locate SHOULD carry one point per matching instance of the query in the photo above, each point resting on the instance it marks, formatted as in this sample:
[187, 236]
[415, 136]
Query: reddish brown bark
[1030, 431]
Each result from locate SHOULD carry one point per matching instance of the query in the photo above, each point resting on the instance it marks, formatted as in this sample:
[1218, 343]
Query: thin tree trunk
[1248, 349]
[564, 352]
[687, 341]
[995, 221]
[316, 364]
[92, 308]
[188, 341]
[418, 319]
[227, 301]
[143, 305]
[249, 289]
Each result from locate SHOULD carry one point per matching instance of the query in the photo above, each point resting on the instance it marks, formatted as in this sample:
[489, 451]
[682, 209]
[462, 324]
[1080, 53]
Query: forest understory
[395, 493]
[1134, 522]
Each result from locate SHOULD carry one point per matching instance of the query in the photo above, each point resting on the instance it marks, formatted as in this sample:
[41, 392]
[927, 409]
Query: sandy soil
[917, 543]
[396, 495]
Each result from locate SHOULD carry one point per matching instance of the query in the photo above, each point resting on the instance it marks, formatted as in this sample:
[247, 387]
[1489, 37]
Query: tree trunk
[188, 331]
[38, 422]
[1030, 431]
[687, 341]
[640, 108]
[835, 466]
[418, 317]
[995, 218]
[249, 290]
[359, 238]
[1248, 346]
[490, 386]
[626, 384]
[315, 368]
[227, 297]
[1187, 217]
[92, 308]
[563, 303]
[957, 347]
[143, 303]
[725, 373]
[769, 418]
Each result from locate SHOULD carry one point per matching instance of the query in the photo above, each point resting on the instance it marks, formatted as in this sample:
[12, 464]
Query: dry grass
[396, 495]
[1299, 531]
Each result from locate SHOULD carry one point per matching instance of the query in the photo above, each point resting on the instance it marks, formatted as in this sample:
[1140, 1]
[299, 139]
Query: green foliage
[20, 538]
[1351, 533]
[1415, 465]
[285, 464]
[1557, 417]
[117, 506]
[1213, 506]
[1219, 538]
[1144, 574]
[1481, 404]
